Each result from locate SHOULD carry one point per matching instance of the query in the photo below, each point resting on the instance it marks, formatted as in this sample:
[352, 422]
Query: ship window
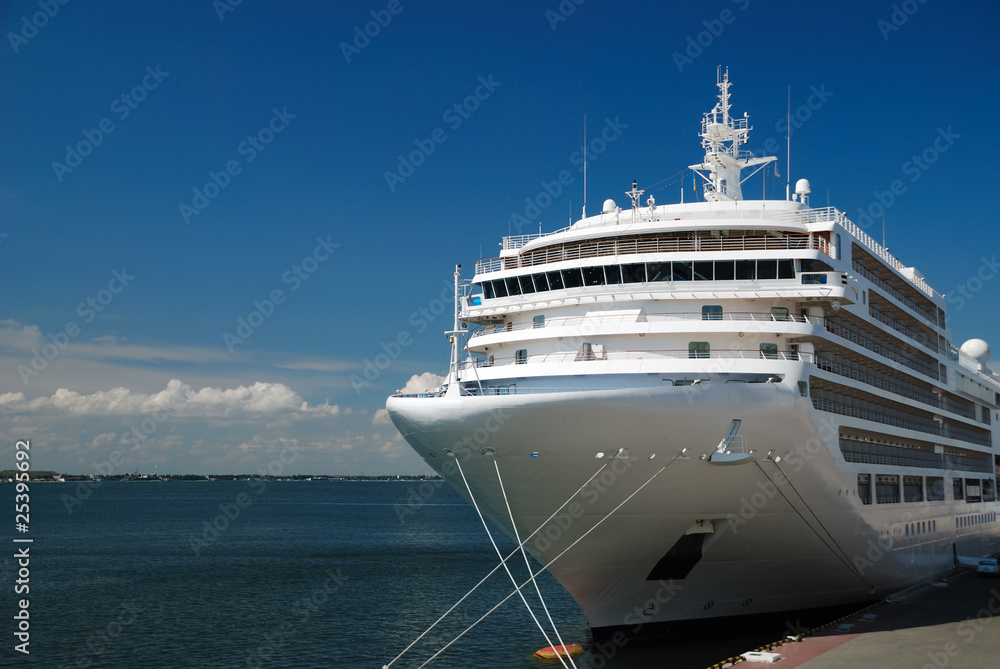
[593, 276]
[500, 288]
[786, 269]
[725, 270]
[541, 283]
[972, 491]
[767, 269]
[658, 271]
[808, 279]
[524, 282]
[634, 273]
[613, 274]
[703, 270]
[769, 351]
[935, 489]
[804, 388]
[555, 280]
[956, 486]
[711, 312]
[779, 313]
[837, 250]
[488, 289]
[682, 271]
[986, 413]
[913, 489]
[538, 321]
[572, 278]
[699, 349]
[513, 288]
[887, 488]
[521, 356]
[865, 488]
[745, 270]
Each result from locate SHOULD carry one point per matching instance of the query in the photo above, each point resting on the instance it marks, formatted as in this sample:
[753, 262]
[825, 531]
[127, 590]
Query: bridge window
[525, 284]
[703, 270]
[613, 274]
[555, 280]
[682, 271]
[541, 283]
[786, 269]
[767, 269]
[488, 289]
[745, 270]
[725, 270]
[500, 288]
[513, 287]
[658, 271]
[593, 276]
[635, 273]
[572, 278]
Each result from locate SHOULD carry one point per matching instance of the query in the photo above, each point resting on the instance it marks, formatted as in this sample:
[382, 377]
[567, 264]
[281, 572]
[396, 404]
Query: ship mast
[721, 138]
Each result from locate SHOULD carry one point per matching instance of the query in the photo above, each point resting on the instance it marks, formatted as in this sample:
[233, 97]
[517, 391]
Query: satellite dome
[802, 187]
[977, 349]
[609, 206]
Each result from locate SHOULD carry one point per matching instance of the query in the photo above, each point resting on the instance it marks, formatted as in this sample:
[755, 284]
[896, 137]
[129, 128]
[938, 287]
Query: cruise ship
[715, 408]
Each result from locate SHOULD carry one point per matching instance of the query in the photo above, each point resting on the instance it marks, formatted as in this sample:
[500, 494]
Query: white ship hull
[717, 408]
[779, 536]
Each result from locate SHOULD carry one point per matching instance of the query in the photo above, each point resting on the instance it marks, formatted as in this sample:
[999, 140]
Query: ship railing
[789, 355]
[645, 317]
[862, 338]
[648, 245]
[909, 332]
[884, 254]
[871, 377]
[894, 292]
[854, 407]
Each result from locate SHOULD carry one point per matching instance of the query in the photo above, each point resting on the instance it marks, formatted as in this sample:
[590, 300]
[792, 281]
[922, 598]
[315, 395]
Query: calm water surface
[310, 574]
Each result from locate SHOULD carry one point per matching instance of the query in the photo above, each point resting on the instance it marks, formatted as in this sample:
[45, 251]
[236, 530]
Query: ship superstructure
[716, 408]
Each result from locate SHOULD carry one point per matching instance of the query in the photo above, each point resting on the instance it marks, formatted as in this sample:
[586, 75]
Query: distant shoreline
[8, 475]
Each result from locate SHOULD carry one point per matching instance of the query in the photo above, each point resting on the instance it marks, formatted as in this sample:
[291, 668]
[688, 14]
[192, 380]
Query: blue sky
[277, 124]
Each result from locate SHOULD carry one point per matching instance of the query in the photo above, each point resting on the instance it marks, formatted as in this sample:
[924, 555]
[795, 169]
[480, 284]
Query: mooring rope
[547, 565]
[528, 565]
[494, 570]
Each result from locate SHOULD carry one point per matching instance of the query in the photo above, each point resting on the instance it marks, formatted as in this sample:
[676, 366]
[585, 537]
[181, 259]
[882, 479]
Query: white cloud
[419, 383]
[177, 398]
[381, 416]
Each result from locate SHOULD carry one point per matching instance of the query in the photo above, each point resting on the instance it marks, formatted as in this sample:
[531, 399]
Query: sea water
[277, 574]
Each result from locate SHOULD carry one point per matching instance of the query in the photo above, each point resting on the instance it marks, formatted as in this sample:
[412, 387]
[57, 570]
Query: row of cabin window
[602, 275]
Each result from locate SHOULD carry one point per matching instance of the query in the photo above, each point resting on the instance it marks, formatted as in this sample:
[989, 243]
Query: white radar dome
[978, 350]
[802, 187]
[609, 206]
